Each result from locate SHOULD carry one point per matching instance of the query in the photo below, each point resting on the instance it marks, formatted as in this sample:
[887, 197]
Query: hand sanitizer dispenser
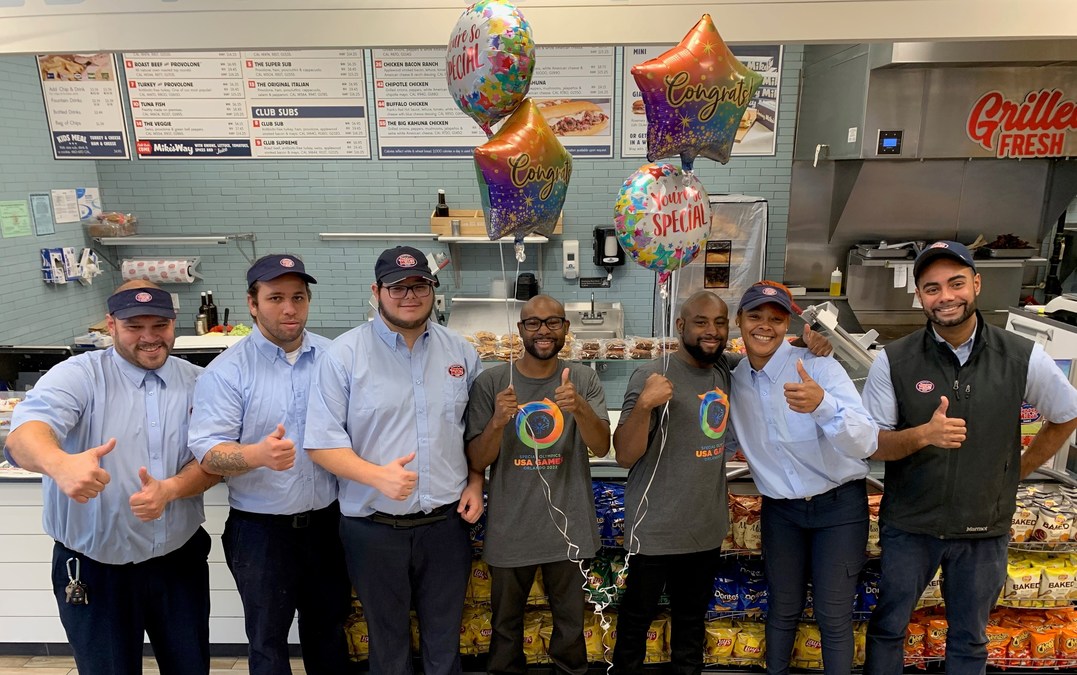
[570, 258]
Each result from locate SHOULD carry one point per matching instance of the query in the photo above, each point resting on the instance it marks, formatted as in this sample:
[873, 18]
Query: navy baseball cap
[141, 302]
[942, 249]
[761, 294]
[401, 262]
[272, 266]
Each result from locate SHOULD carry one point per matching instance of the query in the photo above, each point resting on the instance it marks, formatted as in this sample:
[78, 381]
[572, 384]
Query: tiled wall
[286, 204]
[34, 312]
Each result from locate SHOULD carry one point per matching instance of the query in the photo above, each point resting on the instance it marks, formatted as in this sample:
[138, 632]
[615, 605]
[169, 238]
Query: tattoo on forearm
[227, 462]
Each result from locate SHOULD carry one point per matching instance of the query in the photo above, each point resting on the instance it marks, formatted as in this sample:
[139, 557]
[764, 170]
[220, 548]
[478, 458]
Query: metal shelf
[177, 240]
[387, 236]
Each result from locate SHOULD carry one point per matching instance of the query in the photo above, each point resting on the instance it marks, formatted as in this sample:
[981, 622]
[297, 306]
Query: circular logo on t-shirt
[925, 386]
[456, 370]
[713, 413]
[287, 262]
[406, 260]
[143, 297]
[539, 424]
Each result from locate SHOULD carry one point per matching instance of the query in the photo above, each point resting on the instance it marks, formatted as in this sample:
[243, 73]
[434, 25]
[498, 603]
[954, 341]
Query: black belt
[413, 519]
[296, 521]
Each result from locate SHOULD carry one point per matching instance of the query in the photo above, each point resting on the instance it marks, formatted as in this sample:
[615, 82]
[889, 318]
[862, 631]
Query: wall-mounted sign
[301, 104]
[83, 106]
[1035, 126]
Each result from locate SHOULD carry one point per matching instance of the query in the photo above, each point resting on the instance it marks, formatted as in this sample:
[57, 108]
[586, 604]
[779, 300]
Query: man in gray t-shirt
[676, 457]
[534, 432]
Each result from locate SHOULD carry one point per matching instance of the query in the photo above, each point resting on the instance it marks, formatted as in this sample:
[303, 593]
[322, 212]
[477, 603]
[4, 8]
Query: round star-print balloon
[695, 95]
[490, 60]
[662, 217]
[523, 176]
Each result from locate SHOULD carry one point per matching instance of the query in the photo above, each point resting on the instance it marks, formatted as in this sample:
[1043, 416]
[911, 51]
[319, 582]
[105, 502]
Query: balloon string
[508, 305]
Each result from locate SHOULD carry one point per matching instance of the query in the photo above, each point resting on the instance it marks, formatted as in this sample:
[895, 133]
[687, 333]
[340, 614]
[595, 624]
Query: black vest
[970, 491]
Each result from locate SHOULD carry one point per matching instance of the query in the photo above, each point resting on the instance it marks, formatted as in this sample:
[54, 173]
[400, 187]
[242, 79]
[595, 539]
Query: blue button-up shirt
[374, 395]
[1046, 387]
[241, 398]
[796, 455]
[99, 395]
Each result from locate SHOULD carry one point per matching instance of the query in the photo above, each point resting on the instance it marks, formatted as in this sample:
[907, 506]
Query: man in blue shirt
[947, 399]
[386, 415]
[281, 539]
[122, 494]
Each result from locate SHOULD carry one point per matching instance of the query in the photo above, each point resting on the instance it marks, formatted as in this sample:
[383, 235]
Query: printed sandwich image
[569, 117]
[746, 123]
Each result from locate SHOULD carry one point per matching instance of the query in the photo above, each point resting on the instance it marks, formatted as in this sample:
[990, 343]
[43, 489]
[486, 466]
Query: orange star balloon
[523, 176]
[695, 95]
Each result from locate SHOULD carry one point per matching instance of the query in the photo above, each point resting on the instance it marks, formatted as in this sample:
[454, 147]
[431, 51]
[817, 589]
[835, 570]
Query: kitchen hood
[919, 100]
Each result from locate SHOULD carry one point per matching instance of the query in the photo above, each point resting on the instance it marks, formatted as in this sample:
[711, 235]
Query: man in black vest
[947, 400]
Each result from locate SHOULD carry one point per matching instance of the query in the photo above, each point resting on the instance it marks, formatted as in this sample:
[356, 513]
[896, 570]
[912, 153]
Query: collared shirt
[241, 398]
[374, 395]
[796, 455]
[1046, 387]
[99, 395]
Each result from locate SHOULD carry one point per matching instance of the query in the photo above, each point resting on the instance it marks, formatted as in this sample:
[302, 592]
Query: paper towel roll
[159, 271]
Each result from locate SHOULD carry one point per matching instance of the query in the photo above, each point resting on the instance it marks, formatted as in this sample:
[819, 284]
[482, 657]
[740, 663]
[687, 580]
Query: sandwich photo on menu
[573, 117]
[746, 123]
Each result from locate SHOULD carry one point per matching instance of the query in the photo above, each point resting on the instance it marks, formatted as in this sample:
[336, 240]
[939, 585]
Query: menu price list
[83, 106]
[259, 104]
[417, 118]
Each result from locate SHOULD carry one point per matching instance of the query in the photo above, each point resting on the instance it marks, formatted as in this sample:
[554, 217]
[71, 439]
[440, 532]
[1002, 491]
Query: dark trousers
[973, 572]
[689, 581]
[823, 540]
[282, 564]
[166, 598]
[396, 568]
[509, 589]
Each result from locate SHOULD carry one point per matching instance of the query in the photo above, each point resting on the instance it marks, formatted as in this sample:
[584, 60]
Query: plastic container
[835, 283]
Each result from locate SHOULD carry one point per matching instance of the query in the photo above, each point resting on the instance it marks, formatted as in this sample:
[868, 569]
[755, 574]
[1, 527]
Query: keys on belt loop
[75, 591]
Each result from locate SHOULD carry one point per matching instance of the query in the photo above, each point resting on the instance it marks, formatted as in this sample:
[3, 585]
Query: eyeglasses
[418, 290]
[534, 323]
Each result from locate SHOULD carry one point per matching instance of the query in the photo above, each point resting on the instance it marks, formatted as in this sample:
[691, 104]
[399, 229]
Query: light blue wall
[34, 312]
[287, 203]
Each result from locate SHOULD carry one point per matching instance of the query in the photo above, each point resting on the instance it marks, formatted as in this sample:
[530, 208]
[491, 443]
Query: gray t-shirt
[687, 508]
[519, 527]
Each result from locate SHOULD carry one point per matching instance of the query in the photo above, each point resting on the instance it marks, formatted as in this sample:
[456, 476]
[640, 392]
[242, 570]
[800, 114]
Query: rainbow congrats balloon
[490, 60]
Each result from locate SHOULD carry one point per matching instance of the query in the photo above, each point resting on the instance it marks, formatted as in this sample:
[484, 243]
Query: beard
[552, 352]
[701, 355]
[970, 309]
[397, 321]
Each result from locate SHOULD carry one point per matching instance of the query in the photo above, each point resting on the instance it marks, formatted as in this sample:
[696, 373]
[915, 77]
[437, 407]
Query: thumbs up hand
[275, 451]
[80, 476]
[806, 395]
[396, 482]
[149, 503]
[566, 397]
[942, 431]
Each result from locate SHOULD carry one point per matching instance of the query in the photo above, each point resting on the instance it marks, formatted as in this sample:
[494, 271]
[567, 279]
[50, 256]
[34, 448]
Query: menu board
[83, 106]
[417, 118]
[756, 135]
[308, 104]
[573, 89]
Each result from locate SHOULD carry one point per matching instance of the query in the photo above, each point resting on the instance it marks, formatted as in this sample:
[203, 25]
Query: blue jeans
[973, 571]
[396, 568]
[821, 539]
[282, 564]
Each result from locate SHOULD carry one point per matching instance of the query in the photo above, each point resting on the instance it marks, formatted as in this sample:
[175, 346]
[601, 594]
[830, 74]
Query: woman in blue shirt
[806, 435]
